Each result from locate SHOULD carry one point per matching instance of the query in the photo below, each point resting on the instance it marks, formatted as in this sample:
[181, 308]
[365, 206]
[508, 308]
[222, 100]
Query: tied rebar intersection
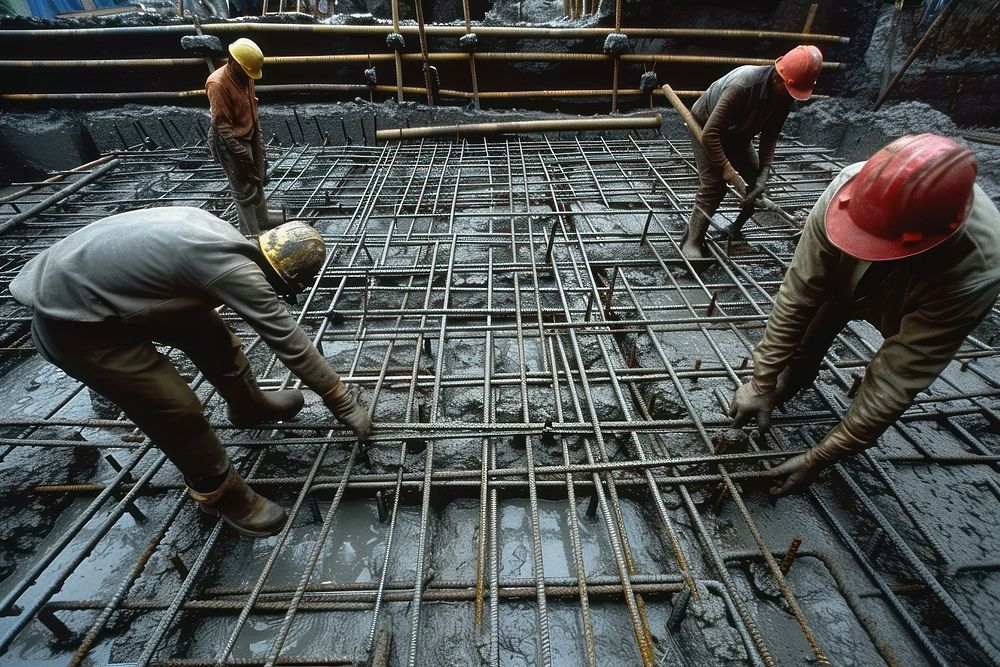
[551, 480]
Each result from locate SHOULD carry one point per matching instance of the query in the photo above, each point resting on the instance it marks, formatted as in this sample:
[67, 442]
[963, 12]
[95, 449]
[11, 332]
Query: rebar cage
[552, 479]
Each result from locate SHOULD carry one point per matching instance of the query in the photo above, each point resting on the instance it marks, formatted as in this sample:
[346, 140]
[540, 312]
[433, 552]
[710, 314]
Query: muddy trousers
[248, 194]
[120, 362]
[741, 154]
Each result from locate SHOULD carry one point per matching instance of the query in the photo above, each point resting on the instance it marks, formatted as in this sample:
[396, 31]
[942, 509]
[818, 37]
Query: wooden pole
[419, 7]
[520, 127]
[398, 57]
[472, 55]
[810, 17]
[522, 32]
[384, 57]
[931, 31]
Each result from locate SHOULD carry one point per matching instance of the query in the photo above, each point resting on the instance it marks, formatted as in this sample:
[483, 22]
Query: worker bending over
[906, 241]
[235, 139]
[748, 101]
[106, 293]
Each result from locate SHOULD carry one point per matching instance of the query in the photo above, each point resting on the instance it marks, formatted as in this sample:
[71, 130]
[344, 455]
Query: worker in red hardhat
[235, 139]
[906, 241]
[748, 101]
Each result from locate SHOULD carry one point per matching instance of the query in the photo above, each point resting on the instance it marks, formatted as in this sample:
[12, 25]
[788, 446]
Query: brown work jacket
[925, 306]
[233, 107]
[742, 103]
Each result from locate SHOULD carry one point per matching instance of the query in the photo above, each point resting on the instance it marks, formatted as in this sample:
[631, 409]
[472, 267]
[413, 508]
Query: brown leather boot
[241, 507]
[346, 408]
[249, 406]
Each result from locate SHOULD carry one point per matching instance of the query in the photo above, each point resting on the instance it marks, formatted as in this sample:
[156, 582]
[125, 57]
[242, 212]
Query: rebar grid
[548, 377]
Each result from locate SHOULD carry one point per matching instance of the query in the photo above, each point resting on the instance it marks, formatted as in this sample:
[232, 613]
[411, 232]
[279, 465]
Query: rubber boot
[268, 218]
[248, 219]
[241, 507]
[249, 406]
[345, 407]
[694, 242]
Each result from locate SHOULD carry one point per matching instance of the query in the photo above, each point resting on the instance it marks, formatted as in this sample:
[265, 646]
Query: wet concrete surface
[954, 503]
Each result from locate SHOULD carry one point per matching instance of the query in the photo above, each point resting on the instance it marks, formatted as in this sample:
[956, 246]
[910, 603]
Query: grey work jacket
[743, 103]
[159, 263]
[924, 307]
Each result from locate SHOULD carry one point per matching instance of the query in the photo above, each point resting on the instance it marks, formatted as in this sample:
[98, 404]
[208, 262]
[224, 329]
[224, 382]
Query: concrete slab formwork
[551, 479]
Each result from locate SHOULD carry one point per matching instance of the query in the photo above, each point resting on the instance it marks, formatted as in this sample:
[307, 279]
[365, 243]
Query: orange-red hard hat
[909, 197]
[799, 69]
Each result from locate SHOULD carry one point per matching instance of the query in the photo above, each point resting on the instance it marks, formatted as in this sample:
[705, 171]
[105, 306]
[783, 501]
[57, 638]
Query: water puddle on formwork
[546, 484]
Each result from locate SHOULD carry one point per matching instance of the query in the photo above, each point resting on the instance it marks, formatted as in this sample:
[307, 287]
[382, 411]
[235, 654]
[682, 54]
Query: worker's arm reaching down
[802, 293]
[905, 365]
[906, 241]
[248, 292]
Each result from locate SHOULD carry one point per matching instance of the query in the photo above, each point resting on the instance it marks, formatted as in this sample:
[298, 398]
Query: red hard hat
[909, 197]
[799, 69]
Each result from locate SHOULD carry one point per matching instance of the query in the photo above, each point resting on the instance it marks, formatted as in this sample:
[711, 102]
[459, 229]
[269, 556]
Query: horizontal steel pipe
[58, 196]
[329, 59]
[14, 196]
[518, 32]
[481, 129]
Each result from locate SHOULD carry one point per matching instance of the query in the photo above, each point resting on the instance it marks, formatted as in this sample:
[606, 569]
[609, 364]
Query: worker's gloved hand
[796, 474]
[751, 403]
[348, 410]
[728, 173]
[758, 186]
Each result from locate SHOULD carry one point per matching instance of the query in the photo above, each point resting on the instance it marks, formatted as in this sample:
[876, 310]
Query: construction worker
[103, 295]
[906, 241]
[235, 139]
[748, 101]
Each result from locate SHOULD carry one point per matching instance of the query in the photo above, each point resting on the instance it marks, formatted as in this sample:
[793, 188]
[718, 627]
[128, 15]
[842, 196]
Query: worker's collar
[277, 283]
[234, 77]
[765, 89]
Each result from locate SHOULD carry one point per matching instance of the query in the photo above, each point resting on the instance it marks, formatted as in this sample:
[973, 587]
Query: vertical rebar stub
[786, 562]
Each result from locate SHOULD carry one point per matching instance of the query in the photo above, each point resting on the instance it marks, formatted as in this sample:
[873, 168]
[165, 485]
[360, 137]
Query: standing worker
[235, 139]
[748, 101]
[103, 295]
[906, 241]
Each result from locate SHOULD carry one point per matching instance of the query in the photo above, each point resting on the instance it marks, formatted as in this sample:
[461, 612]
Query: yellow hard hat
[248, 55]
[295, 251]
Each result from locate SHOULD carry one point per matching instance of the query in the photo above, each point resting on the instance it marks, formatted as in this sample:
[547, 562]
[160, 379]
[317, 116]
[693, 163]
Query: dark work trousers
[741, 154]
[248, 194]
[120, 362]
[826, 325]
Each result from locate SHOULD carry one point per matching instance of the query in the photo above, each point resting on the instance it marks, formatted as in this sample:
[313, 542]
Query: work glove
[750, 402]
[795, 474]
[800, 471]
[348, 410]
[758, 186]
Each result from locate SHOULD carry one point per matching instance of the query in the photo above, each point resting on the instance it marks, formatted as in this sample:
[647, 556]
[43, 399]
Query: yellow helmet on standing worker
[249, 56]
[295, 251]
